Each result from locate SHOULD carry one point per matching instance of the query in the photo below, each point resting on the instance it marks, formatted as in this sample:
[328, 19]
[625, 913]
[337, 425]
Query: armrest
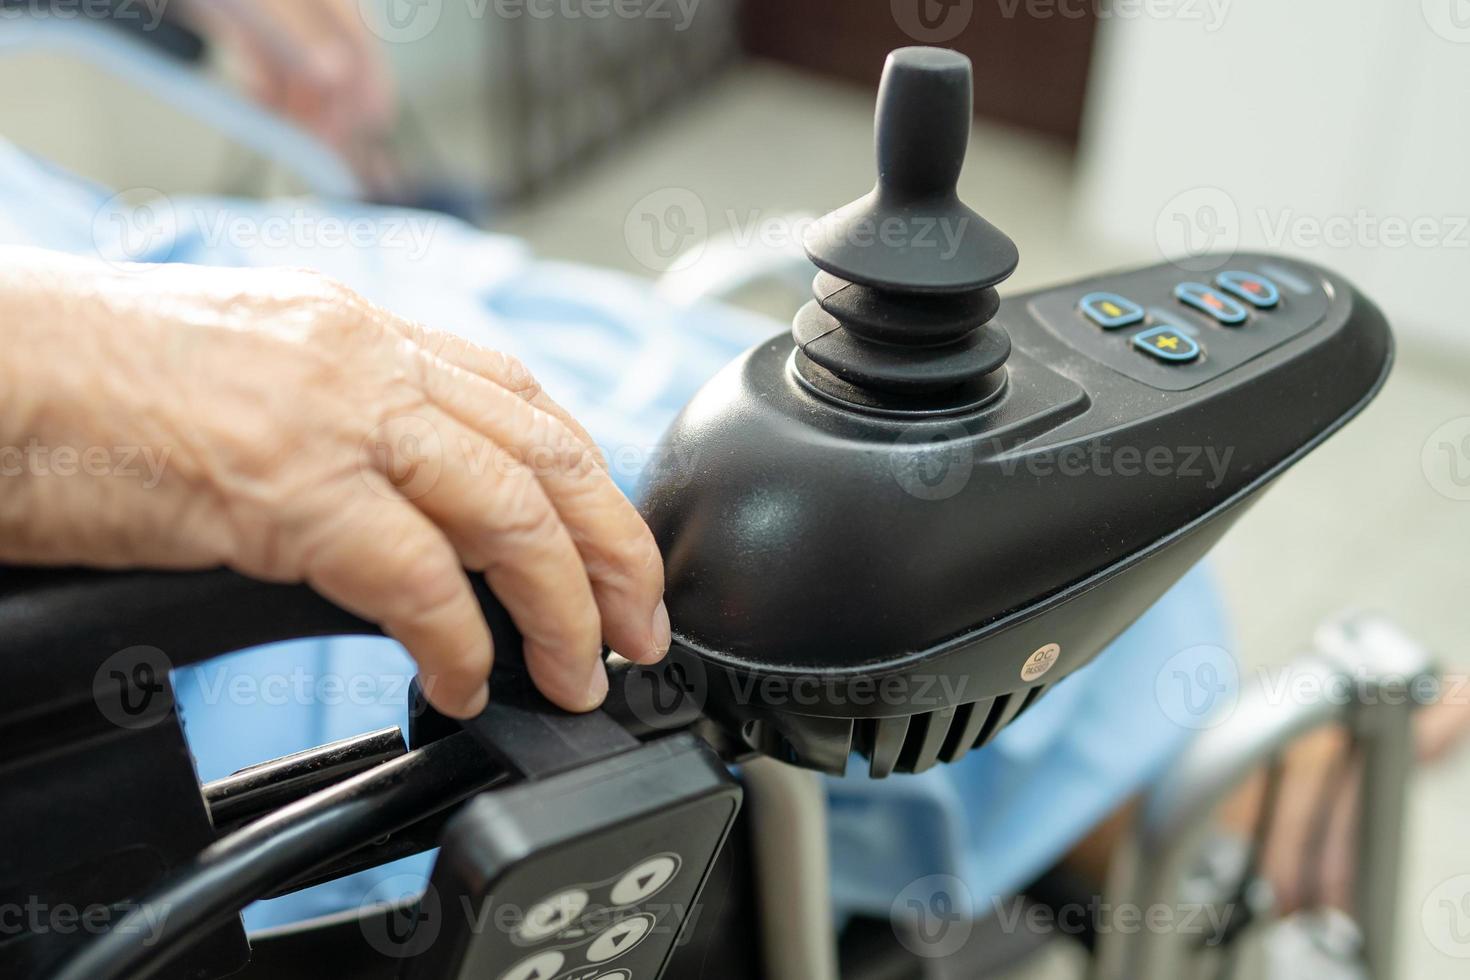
[58, 626]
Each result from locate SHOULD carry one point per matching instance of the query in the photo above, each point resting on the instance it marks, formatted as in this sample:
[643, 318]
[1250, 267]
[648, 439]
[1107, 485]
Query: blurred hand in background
[314, 62]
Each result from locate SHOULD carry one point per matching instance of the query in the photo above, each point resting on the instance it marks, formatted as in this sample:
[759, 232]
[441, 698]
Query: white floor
[1358, 524]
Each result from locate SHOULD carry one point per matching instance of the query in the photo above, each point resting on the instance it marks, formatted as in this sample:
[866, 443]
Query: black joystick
[901, 320]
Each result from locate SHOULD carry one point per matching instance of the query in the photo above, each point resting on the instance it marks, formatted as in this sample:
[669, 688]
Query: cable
[247, 864]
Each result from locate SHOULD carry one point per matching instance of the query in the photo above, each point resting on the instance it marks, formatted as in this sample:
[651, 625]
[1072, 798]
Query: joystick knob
[901, 319]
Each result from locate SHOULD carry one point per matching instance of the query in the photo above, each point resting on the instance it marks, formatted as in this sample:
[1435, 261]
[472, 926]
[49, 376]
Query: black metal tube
[250, 862]
[262, 789]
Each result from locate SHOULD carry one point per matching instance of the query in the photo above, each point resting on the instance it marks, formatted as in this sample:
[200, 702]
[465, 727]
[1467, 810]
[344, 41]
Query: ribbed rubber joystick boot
[901, 320]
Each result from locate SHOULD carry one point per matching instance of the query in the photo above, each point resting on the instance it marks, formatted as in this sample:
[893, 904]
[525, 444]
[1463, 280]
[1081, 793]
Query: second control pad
[1192, 327]
[589, 875]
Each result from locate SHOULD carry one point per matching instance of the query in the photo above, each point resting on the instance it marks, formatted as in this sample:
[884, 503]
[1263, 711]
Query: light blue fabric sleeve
[624, 363]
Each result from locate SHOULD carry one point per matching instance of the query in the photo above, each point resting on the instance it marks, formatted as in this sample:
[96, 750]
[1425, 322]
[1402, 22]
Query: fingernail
[663, 634]
[596, 685]
[476, 702]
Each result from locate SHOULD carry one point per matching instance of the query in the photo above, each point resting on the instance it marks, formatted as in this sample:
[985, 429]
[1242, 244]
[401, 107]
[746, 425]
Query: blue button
[1111, 311]
[1168, 344]
[1211, 302]
[1256, 290]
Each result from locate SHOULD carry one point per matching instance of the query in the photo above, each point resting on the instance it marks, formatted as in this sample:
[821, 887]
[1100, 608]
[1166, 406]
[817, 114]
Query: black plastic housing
[904, 585]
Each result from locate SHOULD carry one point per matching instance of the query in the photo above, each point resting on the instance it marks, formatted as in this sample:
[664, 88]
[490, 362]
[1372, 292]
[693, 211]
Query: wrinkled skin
[275, 422]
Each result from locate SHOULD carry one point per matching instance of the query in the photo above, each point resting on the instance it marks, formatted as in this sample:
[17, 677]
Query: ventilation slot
[914, 743]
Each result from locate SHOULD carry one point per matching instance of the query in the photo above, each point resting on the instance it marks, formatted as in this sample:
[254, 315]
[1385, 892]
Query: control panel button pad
[1110, 311]
[1301, 305]
[1212, 303]
[1253, 287]
[1168, 345]
[591, 874]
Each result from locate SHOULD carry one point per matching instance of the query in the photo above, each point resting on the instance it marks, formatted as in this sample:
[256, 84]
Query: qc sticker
[1040, 662]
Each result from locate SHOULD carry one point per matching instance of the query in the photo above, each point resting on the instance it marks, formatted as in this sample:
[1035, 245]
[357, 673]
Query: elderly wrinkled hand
[275, 422]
